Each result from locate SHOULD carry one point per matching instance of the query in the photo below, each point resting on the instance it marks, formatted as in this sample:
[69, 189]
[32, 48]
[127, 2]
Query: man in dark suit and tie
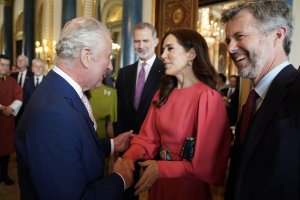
[24, 73]
[22, 76]
[38, 69]
[231, 98]
[265, 161]
[137, 83]
[59, 153]
[131, 113]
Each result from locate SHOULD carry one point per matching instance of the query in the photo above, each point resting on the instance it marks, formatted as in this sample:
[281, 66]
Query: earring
[189, 63]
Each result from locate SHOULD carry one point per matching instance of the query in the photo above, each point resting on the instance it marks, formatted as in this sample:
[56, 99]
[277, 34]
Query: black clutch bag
[188, 148]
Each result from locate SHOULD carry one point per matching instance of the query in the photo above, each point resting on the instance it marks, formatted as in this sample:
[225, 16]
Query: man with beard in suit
[265, 157]
[137, 83]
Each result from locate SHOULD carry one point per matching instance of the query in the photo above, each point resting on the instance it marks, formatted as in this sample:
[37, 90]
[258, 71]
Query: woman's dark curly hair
[202, 67]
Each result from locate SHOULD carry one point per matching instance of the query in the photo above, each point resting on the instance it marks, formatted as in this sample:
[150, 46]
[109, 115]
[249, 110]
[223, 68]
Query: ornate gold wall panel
[47, 32]
[89, 8]
[6, 2]
[174, 14]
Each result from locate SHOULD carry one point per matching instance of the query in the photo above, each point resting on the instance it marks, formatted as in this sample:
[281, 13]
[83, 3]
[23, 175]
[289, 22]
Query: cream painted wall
[294, 55]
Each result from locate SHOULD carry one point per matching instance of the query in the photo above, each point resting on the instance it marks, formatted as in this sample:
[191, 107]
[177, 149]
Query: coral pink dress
[196, 111]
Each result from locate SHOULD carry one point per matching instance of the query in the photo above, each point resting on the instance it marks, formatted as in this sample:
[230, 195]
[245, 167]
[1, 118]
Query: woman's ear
[192, 54]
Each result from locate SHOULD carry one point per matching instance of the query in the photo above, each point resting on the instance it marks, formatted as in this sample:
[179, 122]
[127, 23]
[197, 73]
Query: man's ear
[85, 56]
[280, 34]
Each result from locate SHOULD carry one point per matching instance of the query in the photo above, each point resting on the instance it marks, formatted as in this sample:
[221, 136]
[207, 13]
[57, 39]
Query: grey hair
[270, 15]
[79, 33]
[144, 25]
[39, 60]
[26, 58]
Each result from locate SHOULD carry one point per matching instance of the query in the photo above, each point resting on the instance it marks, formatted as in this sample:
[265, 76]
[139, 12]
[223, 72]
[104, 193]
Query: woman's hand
[149, 176]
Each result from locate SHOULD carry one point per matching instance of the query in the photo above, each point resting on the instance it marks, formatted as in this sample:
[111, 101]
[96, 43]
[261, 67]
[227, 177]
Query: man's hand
[125, 170]
[148, 177]
[122, 141]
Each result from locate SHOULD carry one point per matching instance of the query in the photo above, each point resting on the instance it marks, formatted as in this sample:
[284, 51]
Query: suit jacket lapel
[132, 81]
[266, 112]
[72, 97]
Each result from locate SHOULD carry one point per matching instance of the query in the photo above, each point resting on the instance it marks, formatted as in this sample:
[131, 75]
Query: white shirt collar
[263, 85]
[147, 66]
[23, 72]
[40, 76]
[149, 62]
[65, 76]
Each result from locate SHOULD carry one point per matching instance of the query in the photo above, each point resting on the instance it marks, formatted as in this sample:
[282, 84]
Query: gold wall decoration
[19, 27]
[44, 44]
[6, 2]
[174, 14]
[111, 15]
[47, 19]
[89, 8]
[210, 27]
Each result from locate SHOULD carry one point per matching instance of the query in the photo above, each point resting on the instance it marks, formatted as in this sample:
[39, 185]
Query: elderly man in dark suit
[23, 74]
[266, 153]
[59, 153]
[38, 69]
[137, 83]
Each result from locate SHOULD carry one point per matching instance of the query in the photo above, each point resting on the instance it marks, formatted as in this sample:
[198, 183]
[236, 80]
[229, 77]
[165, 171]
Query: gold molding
[153, 11]
[89, 8]
[6, 2]
[19, 36]
[47, 30]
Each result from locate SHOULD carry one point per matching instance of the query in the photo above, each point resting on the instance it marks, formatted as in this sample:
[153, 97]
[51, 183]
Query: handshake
[124, 169]
[125, 166]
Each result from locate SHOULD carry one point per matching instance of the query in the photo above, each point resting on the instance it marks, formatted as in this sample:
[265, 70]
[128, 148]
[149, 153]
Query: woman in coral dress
[184, 141]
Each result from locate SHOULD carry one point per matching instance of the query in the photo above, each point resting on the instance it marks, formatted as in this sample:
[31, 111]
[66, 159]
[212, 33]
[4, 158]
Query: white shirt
[23, 77]
[38, 77]
[263, 85]
[230, 91]
[147, 67]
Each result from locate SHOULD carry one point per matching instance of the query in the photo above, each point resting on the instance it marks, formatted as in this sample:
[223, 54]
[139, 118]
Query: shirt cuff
[122, 179]
[112, 146]
[16, 105]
